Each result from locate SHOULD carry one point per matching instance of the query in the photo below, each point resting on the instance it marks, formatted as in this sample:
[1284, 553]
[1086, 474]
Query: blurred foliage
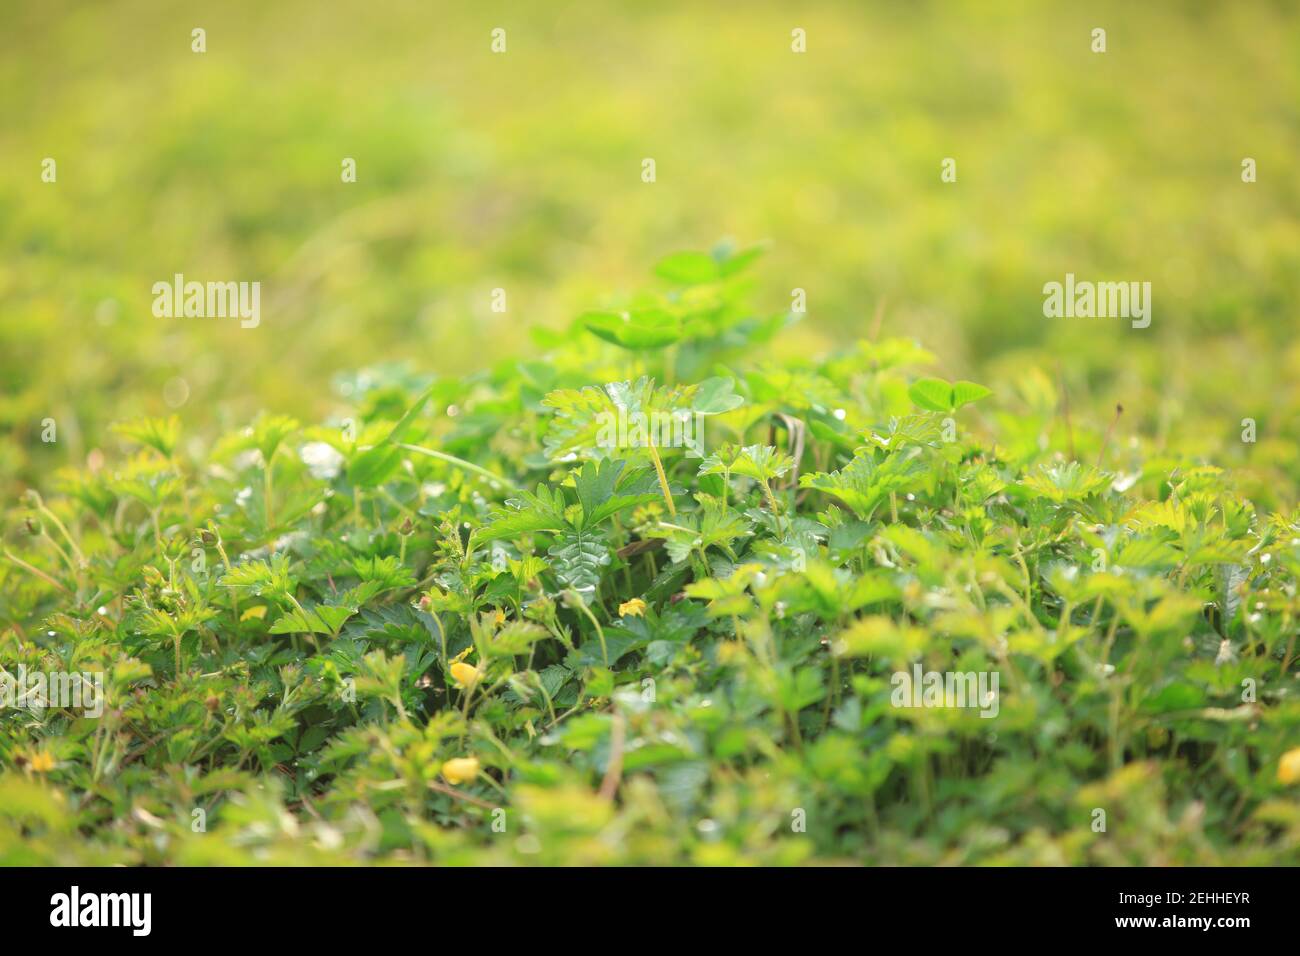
[522, 171]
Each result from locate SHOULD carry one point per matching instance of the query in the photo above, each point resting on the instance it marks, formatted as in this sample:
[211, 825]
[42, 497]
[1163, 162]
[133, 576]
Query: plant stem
[54, 519]
[663, 479]
[582, 606]
[266, 488]
[1101, 455]
[771, 502]
[36, 571]
[460, 463]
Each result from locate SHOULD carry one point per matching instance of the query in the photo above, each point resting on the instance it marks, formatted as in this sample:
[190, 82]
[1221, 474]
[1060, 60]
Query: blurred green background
[523, 171]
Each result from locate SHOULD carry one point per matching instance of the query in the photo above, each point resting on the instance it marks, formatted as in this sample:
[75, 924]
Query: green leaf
[386, 573]
[408, 418]
[711, 527]
[714, 396]
[688, 268]
[732, 262]
[588, 422]
[394, 622]
[1062, 482]
[937, 395]
[374, 466]
[637, 330]
[160, 434]
[721, 461]
[595, 484]
[1150, 552]
[377, 464]
[963, 393]
[515, 637]
[604, 490]
[726, 596]
[577, 559]
[322, 619]
[864, 483]
[617, 645]
[762, 463]
[1178, 695]
[270, 431]
[262, 578]
[932, 394]
[542, 510]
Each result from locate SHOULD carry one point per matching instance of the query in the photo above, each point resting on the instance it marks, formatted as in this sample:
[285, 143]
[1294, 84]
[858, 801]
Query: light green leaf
[688, 268]
[932, 394]
[636, 330]
[963, 393]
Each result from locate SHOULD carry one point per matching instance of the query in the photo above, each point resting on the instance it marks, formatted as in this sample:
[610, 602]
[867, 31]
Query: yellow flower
[460, 769]
[465, 675]
[42, 762]
[634, 608]
[1288, 768]
[499, 617]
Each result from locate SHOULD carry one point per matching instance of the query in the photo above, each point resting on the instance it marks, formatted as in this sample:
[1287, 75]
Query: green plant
[384, 646]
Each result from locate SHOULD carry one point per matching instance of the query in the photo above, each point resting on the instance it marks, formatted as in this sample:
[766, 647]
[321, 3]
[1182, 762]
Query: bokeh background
[522, 171]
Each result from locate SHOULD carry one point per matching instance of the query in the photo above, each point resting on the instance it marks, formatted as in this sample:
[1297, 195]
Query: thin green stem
[266, 489]
[460, 463]
[38, 572]
[663, 479]
[582, 606]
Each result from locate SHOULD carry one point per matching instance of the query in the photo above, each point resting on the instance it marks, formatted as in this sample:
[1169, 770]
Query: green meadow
[365, 577]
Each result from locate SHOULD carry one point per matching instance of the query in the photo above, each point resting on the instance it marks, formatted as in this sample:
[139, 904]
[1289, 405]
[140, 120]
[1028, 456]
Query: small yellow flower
[460, 769]
[1288, 768]
[633, 608]
[499, 617]
[465, 675]
[42, 762]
